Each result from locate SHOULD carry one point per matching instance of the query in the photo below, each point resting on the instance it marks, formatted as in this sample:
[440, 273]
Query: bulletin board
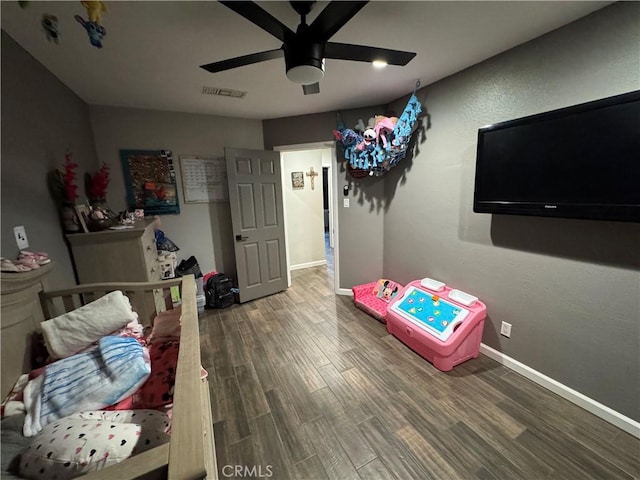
[204, 180]
[150, 181]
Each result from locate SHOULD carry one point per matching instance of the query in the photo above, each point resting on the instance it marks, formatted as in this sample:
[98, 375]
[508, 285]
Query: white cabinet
[128, 255]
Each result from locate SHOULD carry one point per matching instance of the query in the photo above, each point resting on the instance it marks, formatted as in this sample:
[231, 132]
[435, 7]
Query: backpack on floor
[218, 291]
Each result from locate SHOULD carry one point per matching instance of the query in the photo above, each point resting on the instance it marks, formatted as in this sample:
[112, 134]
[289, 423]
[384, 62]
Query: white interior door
[255, 196]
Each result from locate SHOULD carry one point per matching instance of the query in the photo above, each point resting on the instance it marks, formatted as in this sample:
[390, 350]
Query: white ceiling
[152, 51]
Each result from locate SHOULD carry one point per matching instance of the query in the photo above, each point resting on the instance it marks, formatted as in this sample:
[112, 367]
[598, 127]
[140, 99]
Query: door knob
[241, 237]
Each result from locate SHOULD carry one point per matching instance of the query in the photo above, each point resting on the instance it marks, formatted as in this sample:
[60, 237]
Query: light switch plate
[345, 203]
[505, 329]
[21, 237]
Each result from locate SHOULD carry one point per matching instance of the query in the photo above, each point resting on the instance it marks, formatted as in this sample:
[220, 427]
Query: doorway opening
[311, 231]
[328, 238]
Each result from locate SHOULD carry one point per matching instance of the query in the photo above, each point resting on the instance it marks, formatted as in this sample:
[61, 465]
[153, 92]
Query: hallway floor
[328, 253]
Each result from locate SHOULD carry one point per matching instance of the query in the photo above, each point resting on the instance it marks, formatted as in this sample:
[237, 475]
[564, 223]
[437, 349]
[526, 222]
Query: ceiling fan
[305, 49]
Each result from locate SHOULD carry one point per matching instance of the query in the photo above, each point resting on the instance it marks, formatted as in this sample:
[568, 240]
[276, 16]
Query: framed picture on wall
[150, 180]
[297, 180]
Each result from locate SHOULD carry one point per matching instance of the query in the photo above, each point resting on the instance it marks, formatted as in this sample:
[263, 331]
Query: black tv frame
[596, 211]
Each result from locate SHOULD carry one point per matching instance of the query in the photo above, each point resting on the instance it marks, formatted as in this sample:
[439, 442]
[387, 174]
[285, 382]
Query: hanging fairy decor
[49, 24]
[93, 25]
[375, 148]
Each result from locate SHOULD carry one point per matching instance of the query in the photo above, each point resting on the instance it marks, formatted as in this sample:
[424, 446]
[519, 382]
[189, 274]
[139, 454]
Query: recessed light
[379, 64]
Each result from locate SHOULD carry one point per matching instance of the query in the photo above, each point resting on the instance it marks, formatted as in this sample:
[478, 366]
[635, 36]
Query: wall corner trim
[617, 419]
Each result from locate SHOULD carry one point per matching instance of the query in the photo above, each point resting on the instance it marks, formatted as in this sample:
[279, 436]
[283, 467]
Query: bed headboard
[20, 315]
[147, 298]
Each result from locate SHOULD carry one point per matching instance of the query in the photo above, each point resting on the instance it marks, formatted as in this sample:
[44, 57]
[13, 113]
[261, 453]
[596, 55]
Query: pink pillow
[166, 324]
[386, 289]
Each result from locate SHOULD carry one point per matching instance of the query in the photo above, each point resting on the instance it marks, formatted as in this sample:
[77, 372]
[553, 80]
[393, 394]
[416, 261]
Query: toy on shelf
[441, 324]
[374, 297]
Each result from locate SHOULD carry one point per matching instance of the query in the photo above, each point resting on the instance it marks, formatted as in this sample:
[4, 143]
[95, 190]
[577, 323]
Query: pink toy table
[441, 324]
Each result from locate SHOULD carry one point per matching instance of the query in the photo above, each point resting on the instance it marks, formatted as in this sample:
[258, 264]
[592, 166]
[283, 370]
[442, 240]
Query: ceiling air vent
[224, 92]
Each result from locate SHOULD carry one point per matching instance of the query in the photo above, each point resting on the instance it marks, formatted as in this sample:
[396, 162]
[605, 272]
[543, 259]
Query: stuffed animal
[384, 129]
[368, 139]
[347, 136]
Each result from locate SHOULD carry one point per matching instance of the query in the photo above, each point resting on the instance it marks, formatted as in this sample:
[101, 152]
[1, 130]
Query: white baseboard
[625, 423]
[300, 266]
[344, 291]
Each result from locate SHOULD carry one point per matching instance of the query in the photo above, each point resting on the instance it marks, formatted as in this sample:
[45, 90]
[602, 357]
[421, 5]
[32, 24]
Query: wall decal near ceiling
[49, 24]
[93, 25]
[150, 179]
[375, 148]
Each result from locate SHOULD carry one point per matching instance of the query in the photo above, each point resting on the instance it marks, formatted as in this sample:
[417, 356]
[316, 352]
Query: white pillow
[90, 441]
[71, 332]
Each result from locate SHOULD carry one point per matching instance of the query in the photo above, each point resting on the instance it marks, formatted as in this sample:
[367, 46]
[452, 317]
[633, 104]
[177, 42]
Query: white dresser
[20, 315]
[128, 255]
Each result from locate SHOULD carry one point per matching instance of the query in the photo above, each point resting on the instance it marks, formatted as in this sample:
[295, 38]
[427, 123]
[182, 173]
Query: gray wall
[558, 282]
[570, 288]
[201, 229]
[360, 229]
[41, 119]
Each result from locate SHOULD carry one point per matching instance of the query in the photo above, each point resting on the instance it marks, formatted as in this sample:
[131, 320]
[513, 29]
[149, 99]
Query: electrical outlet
[505, 329]
[21, 237]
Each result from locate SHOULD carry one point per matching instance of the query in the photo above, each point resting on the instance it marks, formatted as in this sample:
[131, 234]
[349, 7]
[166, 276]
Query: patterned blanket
[92, 380]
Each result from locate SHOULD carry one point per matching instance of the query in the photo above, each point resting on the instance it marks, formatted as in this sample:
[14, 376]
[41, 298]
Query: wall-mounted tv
[581, 161]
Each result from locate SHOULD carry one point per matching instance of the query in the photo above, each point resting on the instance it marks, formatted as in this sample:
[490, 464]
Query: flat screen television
[581, 161]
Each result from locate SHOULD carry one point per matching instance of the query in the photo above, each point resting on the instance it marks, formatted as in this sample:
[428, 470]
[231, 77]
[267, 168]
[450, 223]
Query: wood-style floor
[306, 386]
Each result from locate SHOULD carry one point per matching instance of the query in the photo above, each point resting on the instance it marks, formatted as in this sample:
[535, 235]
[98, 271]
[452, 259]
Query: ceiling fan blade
[361, 53]
[312, 88]
[260, 17]
[333, 18]
[242, 61]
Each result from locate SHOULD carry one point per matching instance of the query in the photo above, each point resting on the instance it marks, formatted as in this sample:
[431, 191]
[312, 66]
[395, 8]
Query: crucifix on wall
[313, 176]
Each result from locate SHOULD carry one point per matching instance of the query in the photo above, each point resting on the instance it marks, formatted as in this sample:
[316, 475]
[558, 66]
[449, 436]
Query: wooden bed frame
[191, 451]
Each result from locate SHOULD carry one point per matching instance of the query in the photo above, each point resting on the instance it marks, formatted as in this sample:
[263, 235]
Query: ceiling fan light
[379, 64]
[306, 74]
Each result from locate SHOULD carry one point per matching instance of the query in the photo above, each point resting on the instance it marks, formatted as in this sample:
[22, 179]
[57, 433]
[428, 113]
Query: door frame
[333, 205]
